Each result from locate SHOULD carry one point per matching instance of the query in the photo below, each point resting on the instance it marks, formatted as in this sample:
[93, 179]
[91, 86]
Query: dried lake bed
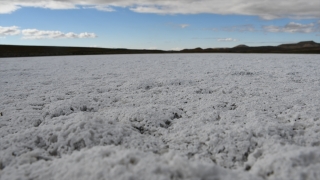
[166, 116]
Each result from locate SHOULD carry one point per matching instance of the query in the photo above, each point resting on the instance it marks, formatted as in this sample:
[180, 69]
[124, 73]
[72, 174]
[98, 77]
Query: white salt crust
[183, 116]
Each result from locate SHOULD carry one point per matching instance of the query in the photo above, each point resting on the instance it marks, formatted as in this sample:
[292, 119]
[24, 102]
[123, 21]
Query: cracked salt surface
[186, 116]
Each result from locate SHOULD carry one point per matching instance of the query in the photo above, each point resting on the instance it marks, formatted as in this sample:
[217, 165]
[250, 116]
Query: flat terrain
[182, 116]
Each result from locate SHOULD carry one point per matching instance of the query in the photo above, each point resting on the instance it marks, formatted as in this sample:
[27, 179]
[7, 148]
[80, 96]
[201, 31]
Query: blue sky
[156, 26]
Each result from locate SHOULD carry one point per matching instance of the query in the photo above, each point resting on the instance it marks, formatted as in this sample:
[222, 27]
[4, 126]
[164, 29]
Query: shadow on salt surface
[148, 84]
[295, 163]
[119, 163]
[78, 131]
[151, 119]
[243, 73]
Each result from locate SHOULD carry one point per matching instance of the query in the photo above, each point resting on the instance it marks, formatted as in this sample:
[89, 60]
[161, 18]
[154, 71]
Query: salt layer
[184, 116]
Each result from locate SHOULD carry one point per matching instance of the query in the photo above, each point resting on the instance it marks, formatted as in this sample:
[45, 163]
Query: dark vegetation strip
[308, 47]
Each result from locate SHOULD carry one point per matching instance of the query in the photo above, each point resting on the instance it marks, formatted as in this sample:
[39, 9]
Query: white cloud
[152, 48]
[184, 25]
[100, 8]
[292, 27]
[39, 34]
[9, 31]
[267, 9]
[87, 35]
[226, 40]
[8, 8]
[176, 49]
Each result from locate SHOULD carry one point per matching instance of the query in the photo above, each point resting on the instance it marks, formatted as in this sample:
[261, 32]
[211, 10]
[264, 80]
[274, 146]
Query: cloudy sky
[158, 24]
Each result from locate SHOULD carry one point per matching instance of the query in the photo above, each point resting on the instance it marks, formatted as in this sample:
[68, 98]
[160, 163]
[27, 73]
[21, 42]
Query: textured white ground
[187, 116]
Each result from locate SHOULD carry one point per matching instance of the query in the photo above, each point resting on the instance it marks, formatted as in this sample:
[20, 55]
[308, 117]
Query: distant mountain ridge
[301, 47]
[241, 46]
[304, 44]
[310, 47]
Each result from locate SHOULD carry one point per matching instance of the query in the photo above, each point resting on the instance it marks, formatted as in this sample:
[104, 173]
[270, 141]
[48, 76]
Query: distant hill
[241, 46]
[304, 44]
[301, 47]
[25, 51]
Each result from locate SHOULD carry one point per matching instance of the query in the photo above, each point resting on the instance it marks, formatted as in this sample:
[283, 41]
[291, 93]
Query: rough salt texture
[186, 116]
